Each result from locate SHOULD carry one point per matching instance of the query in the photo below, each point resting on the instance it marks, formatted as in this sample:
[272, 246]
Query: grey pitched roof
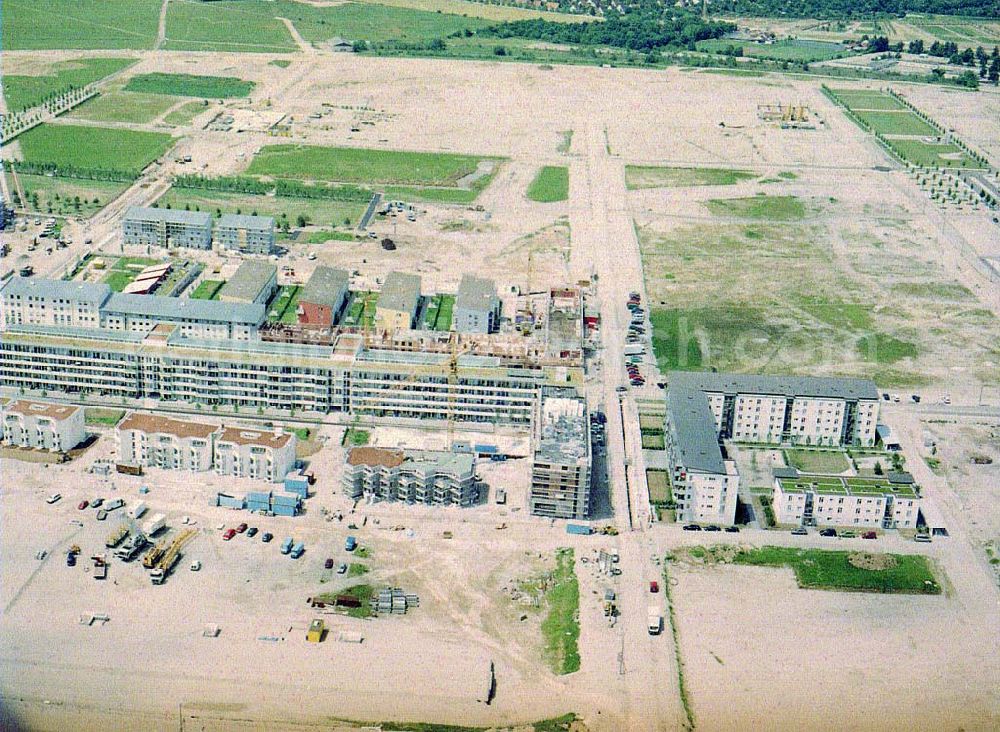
[177, 308]
[401, 291]
[831, 387]
[326, 286]
[476, 293]
[785, 473]
[91, 292]
[692, 426]
[242, 221]
[247, 281]
[169, 215]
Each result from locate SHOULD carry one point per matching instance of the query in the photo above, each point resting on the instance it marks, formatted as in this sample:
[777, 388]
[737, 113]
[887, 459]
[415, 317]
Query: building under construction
[788, 115]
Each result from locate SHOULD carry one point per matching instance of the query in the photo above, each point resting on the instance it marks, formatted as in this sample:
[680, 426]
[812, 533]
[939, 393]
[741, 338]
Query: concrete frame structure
[43, 425]
[892, 502]
[477, 307]
[244, 452]
[561, 465]
[154, 441]
[247, 234]
[429, 477]
[164, 227]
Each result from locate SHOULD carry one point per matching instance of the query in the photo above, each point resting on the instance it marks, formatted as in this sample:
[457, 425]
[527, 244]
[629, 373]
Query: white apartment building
[890, 502]
[43, 425]
[150, 440]
[430, 477]
[33, 301]
[248, 453]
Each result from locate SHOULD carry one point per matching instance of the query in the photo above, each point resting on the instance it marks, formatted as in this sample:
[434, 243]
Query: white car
[195, 565]
[53, 498]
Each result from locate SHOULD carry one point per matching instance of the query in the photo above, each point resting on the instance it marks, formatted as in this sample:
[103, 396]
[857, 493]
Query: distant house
[253, 282]
[340, 45]
[397, 302]
[247, 234]
[164, 227]
[43, 425]
[323, 297]
[477, 307]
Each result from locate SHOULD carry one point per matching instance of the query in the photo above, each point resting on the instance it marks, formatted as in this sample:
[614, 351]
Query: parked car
[267, 537]
[196, 565]
[799, 532]
[868, 535]
[847, 535]
[252, 531]
[82, 505]
[241, 528]
[828, 532]
[732, 529]
[96, 502]
[922, 538]
[342, 568]
[654, 586]
[70, 559]
[692, 527]
[53, 498]
[328, 564]
[712, 527]
[229, 534]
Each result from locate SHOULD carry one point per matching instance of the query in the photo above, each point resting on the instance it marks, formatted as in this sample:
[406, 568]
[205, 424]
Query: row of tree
[836, 9]
[281, 187]
[73, 171]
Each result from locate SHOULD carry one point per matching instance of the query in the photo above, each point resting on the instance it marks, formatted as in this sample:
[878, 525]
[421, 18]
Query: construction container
[315, 632]
[297, 483]
[138, 509]
[485, 449]
[284, 510]
[227, 501]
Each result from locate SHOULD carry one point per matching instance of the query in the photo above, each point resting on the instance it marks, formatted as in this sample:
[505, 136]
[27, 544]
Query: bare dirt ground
[151, 662]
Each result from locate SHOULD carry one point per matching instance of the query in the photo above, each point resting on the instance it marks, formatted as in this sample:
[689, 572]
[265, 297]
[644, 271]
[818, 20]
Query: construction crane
[452, 387]
[170, 557]
[155, 554]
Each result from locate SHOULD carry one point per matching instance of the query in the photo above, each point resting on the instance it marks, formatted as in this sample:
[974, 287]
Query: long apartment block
[416, 476]
[706, 409]
[561, 464]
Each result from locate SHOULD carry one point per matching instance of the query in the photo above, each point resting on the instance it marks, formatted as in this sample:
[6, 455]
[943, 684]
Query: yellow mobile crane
[170, 557]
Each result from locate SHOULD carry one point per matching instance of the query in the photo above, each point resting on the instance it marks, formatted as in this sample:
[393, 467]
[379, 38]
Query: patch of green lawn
[123, 107]
[432, 195]
[184, 114]
[23, 91]
[831, 570]
[364, 595]
[190, 85]
[659, 486]
[690, 339]
[356, 569]
[283, 208]
[932, 155]
[885, 349]
[361, 165]
[855, 99]
[62, 24]
[561, 626]
[105, 417]
[58, 195]
[652, 442]
[283, 306]
[654, 176]
[821, 462]
[771, 208]
[118, 280]
[207, 290]
[356, 438]
[837, 313]
[237, 26]
[897, 123]
[551, 184]
[78, 146]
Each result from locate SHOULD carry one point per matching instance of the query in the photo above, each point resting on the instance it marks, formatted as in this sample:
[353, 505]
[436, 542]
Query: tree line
[281, 187]
[828, 9]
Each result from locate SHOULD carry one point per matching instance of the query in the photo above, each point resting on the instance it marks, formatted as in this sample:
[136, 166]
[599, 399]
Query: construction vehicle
[100, 566]
[155, 554]
[170, 557]
[131, 548]
[116, 537]
[608, 530]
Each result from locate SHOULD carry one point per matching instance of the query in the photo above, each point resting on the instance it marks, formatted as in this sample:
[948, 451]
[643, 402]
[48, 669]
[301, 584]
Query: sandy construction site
[756, 651]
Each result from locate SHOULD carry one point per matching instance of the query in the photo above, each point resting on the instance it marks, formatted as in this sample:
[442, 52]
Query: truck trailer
[655, 620]
[154, 524]
[579, 529]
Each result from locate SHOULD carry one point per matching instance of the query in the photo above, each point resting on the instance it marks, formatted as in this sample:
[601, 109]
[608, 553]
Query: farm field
[248, 27]
[359, 165]
[856, 99]
[83, 24]
[88, 147]
[897, 123]
[58, 195]
[484, 11]
[122, 106]
[22, 90]
[654, 176]
[771, 208]
[551, 184]
[184, 114]
[190, 85]
[315, 210]
[932, 154]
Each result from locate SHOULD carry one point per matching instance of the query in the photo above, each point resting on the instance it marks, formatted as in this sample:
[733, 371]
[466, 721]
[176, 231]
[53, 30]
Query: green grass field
[551, 184]
[354, 437]
[283, 306]
[374, 22]
[23, 91]
[361, 165]
[123, 107]
[438, 313]
[44, 24]
[207, 290]
[885, 349]
[434, 195]
[361, 311]
[652, 442]
[242, 26]
[189, 85]
[106, 417]
[822, 462]
[123, 271]
[659, 486]
[317, 211]
[771, 208]
[652, 176]
[932, 155]
[832, 570]
[561, 626]
[897, 123]
[856, 99]
[184, 114]
[57, 195]
[93, 147]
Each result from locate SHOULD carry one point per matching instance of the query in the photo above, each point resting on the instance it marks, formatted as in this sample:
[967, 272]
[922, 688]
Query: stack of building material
[394, 600]
[227, 501]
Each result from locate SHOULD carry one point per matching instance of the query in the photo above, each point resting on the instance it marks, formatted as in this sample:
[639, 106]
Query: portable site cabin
[315, 632]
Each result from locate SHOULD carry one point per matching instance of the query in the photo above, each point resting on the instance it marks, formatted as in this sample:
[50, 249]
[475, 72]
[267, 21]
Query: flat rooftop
[250, 278]
[692, 429]
[158, 424]
[828, 387]
[41, 409]
[476, 294]
[169, 216]
[89, 292]
[327, 286]
[865, 487]
[564, 430]
[249, 436]
[186, 308]
[401, 292]
[243, 221]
